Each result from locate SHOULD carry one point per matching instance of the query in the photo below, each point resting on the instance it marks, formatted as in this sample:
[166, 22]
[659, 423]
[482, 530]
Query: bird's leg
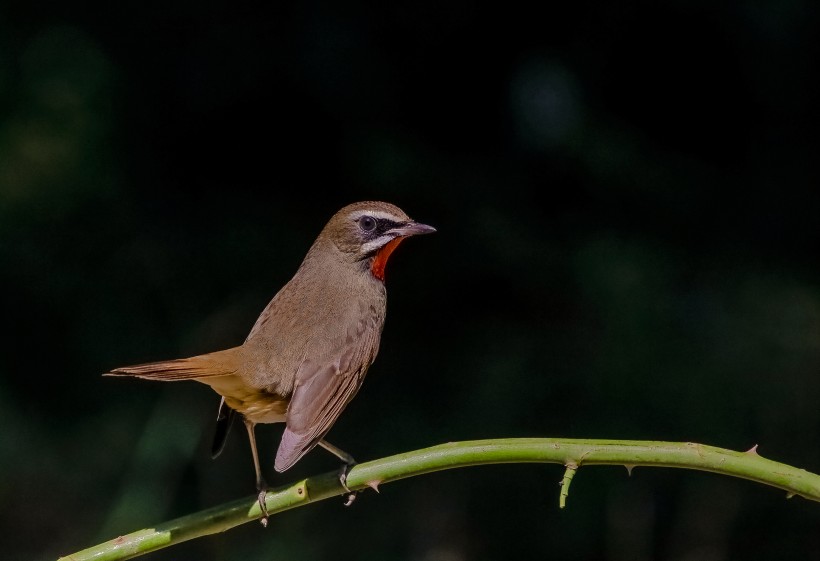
[349, 462]
[261, 484]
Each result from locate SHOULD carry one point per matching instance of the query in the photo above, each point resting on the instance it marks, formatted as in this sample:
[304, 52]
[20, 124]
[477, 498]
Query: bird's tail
[222, 363]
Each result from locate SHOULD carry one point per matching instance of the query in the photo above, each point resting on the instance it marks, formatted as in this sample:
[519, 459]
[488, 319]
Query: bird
[307, 354]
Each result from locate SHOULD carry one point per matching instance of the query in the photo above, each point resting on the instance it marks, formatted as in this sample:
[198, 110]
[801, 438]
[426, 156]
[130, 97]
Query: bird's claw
[343, 471]
[351, 495]
[261, 499]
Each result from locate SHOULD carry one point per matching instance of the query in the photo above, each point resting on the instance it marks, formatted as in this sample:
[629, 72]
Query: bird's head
[369, 231]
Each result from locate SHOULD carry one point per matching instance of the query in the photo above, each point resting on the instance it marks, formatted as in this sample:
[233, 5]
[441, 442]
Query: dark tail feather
[224, 420]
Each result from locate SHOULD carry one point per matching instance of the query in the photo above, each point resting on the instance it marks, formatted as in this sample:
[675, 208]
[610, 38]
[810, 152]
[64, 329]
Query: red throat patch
[380, 261]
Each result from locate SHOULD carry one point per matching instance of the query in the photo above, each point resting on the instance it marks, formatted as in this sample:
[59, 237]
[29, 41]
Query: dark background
[626, 196]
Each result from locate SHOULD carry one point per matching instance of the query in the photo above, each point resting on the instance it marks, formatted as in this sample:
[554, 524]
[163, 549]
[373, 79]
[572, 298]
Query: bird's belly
[255, 404]
[260, 407]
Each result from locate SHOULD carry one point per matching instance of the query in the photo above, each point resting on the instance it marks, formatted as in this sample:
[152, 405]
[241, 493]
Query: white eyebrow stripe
[375, 214]
[373, 245]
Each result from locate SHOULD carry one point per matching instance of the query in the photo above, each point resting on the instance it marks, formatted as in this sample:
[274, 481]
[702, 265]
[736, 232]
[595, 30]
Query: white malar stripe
[373, 245]
[375, 214]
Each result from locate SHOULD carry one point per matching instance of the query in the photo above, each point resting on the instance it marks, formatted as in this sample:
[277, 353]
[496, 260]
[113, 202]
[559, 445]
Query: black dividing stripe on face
[382, 226]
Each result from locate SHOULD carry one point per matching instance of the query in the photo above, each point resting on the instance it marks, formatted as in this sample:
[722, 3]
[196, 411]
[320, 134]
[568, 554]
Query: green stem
[571, 453]
[568, 475]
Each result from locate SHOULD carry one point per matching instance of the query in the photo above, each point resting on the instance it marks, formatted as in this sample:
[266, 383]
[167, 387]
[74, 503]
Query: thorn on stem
[790, 495]
[753, 450]
[629, 468]
[374, 484]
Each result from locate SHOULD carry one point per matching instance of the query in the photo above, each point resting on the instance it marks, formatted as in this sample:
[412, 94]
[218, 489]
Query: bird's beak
[411, 229]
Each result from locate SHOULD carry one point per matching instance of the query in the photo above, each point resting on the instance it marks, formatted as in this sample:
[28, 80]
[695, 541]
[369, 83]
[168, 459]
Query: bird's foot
[343, 471]
[351, 497]
[263, 491]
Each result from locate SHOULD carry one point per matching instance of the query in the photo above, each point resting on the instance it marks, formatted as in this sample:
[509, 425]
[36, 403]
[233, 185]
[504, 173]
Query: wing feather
[325, 384]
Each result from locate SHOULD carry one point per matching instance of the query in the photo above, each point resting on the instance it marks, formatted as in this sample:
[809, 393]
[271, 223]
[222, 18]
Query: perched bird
[308, 353]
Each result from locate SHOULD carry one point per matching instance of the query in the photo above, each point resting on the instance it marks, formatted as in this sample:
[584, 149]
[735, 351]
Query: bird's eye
[367, 223]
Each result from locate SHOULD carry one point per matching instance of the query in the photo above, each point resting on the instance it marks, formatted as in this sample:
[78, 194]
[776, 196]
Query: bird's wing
[327, 380]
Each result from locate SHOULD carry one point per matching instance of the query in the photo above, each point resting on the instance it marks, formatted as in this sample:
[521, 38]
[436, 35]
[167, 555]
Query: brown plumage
[308, 353]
